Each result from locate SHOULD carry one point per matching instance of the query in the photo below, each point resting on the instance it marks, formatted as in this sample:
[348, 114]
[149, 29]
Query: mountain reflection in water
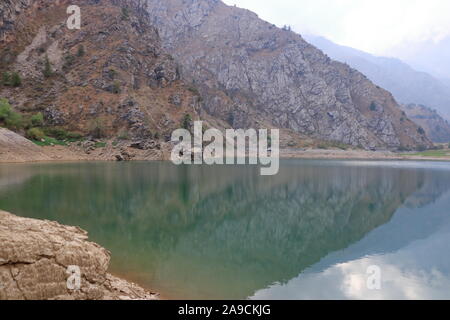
[225, 232]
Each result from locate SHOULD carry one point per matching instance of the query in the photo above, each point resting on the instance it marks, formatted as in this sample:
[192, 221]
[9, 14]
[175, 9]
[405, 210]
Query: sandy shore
[354, 155]
[76, 154]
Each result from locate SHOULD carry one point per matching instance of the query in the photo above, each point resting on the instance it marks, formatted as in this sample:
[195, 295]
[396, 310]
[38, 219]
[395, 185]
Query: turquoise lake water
[225, 232]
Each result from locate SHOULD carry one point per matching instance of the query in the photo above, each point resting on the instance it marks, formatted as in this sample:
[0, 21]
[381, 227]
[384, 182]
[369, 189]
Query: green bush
[35, 134]
[125, 13]
[194, 91]
[97, 129]
[61, 134]
[421, 131]
[6, 78]
[37, 120]
[48, 72]
[16, 80]
[373, 106]
[5, 109]
[73, 136]
[112, 73]
[116, 87]
[69, 60]
[186, 122]
[81, 52]
[55, 132]
[14, 121]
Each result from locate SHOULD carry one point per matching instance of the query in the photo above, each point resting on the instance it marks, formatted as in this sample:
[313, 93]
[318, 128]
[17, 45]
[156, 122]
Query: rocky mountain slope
[406, 84]
[437, 128]
[252, 74]
[114, 79]
[110, 78]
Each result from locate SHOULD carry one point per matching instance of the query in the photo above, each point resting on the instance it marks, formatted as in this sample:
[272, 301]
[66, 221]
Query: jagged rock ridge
[251, 73]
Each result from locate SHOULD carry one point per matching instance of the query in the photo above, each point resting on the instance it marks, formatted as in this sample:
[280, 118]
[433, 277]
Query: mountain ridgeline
[137, 67]
[251, 73]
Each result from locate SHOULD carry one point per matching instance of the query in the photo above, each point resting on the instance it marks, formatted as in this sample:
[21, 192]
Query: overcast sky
[373, 26]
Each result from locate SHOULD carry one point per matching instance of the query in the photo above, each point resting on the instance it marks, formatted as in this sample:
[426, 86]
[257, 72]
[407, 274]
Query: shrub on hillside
[35, 134]
[14, 121]
[97, 129]
[48, 72]
[6, 78]
[37, 120]
[186, 122]
[81, 51]
[16, 80]
[5, 109]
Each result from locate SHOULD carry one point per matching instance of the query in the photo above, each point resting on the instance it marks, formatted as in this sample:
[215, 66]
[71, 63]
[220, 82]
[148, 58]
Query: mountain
[121, 77]
[109, 79]
[406, 84]
[436, 128]
[430, 56]
[252, 74]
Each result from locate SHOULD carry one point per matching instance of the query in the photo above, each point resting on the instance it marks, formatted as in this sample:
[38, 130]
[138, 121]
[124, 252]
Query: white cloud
[373, 26]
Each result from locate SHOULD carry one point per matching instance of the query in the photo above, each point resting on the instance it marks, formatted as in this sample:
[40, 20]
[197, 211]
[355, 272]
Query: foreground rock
[35, 257]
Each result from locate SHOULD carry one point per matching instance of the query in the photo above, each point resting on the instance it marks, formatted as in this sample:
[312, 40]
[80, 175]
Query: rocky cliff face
[34, 260]
[111, 75]
[437, 128]
[251, 73]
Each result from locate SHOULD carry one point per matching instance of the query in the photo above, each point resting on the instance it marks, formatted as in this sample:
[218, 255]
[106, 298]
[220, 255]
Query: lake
[224, 232]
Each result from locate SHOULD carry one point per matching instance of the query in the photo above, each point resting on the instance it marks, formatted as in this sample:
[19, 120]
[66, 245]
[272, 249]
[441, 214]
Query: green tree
[125, 13]
[186, 122]
[97, 128]
[421, 131]
[116, 87]
[14, 121]
[37, 120]
[48, 72]
[35, 134]
[6, 78]
[81, 51]
[5, 109]
[16, 80]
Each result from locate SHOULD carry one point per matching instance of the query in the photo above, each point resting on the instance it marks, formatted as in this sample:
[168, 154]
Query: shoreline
[285, 154]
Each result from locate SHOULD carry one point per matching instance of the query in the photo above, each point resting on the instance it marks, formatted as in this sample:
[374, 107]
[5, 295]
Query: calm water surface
[225, 232]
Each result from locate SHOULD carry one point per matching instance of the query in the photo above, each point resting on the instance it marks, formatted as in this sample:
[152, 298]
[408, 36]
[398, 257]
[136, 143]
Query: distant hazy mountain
[429, 56]
[405, 83]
